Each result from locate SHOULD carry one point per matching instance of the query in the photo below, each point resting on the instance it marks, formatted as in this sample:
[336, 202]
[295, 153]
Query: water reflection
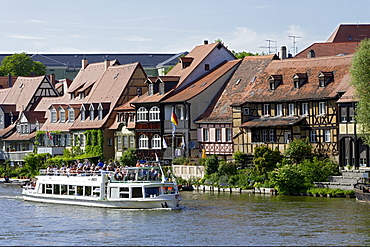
[206, 219]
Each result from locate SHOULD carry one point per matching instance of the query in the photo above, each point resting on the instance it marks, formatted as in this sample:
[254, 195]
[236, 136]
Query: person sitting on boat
[79, 164]
[153, 174]
[97, 168]
[101, 164]
[63, 169]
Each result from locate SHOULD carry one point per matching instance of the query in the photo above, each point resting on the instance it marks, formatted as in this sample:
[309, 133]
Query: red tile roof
[239, 85]
[260, 90]
[269, 121]
[350, 33]
[329, 49]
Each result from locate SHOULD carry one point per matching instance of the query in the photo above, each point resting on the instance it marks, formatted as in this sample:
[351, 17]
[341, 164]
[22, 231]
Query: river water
[209, 218]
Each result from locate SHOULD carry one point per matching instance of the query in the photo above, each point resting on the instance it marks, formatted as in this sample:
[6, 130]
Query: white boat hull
[141, 203]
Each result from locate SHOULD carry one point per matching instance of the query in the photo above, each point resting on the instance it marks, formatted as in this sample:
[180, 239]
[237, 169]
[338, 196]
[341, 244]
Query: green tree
[289, 179]
[243, 54]
[20, 64]
[360, 80]
[128, 157]
[227, 168]
[211, 164]
[34, 162]
[240, 158]
[265, 159]
[299, 150]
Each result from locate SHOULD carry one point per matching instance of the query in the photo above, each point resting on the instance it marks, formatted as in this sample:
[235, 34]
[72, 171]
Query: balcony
[15, 155]
[51, 150]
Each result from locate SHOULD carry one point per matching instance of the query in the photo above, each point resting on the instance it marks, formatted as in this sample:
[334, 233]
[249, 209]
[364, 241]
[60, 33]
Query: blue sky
[163, 26]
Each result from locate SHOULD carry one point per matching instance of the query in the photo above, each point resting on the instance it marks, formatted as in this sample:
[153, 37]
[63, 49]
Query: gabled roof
[33, 116]
[329, 49]
[339, 66]
[239, 85]
[23, 90]
[198, 54]
[201, 85]
[348, 96]
[350, 33]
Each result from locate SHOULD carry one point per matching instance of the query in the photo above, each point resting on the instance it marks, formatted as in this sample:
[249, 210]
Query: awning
[271, 121]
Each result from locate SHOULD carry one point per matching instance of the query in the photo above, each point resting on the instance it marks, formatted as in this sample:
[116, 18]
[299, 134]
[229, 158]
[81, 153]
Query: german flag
[174, 118]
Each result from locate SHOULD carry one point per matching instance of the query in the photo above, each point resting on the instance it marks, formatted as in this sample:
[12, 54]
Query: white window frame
[327, 136]
[272, 135]
[83, 116]
[71, 115]
[266, 110]
[229, 136]
[279, 110]
[264, 135]
[180, 112]
[156, 142]
[154, 114]
[92, 115]
[322, 108]
[313, 136]
[143, 142]
[291, 109]
[62, 114]
[53, 114]
[205, 134]
[218, 135]
[362, 162]
[304, 109]
[142, 114]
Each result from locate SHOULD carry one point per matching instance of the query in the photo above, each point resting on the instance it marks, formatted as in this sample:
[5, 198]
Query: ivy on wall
[94, 142]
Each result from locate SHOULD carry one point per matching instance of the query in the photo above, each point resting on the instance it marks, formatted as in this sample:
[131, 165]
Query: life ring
[118, 176]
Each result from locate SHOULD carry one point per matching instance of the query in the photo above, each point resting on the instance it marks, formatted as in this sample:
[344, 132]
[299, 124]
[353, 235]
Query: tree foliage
[299, 150]
[128, 157]
[20, 64]
[211, 164]
[265, 159]
[360, 73]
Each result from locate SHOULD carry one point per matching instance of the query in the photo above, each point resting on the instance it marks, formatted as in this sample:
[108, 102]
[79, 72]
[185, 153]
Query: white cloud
[37, 21]
[24, 37]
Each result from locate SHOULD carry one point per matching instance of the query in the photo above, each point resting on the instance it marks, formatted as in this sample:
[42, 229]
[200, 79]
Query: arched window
[142, 114]
[143, 142]
[154, 114]
[156, 142]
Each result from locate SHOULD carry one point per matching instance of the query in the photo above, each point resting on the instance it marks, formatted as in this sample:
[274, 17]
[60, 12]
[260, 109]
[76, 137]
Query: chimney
[84, 63]
[52, 79]
[283, 52]
[10, 82]
[106, 64]
[206, 42]
[311, 53]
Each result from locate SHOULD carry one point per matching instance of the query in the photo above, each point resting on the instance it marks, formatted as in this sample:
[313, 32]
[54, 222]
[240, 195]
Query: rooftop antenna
[294, 37]
[269, 46]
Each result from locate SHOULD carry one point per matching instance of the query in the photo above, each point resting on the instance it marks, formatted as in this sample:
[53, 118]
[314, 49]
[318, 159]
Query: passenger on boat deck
[97, 168]
[92, 168]
[104, 168]
[153, 174]
[63, 168]
[87, 162]
[101, 164]
[79, 164]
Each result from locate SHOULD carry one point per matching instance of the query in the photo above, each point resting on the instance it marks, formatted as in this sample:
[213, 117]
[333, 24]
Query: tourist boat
[362, 192]
[132, 188]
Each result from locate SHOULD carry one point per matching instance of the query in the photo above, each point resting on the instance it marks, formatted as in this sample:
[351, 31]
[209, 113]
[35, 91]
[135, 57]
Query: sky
[171, 26]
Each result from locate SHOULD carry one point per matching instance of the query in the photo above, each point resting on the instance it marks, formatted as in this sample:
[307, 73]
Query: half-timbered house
[215, 133]
[293, 99]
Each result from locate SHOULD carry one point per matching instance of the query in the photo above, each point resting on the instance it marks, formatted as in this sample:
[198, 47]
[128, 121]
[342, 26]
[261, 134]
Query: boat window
[71, 189]
[169, 190]
[80, 191]
[96, 191]
[151, 192]
[88, 191]
[42, 187]
[57, 189]
[137, 192]
[64, 189]
[49, 189]
[124, 192]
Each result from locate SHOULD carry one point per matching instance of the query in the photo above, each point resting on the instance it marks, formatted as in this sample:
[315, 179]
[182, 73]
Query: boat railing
[45, 172]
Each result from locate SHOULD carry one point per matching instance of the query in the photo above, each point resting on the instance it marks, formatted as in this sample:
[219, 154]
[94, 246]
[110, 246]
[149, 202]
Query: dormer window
[72, 96]
[71, 115]
[299, 79]
[186, 61]
[150, 89]
[53, 114]
[325, 78]
[275, 81]
[82, 95]
[83, 117]
[62, 115]
[100, 112]
[91, 109]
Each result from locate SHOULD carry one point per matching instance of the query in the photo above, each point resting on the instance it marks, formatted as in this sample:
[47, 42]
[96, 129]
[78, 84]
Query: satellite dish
[191, 145]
